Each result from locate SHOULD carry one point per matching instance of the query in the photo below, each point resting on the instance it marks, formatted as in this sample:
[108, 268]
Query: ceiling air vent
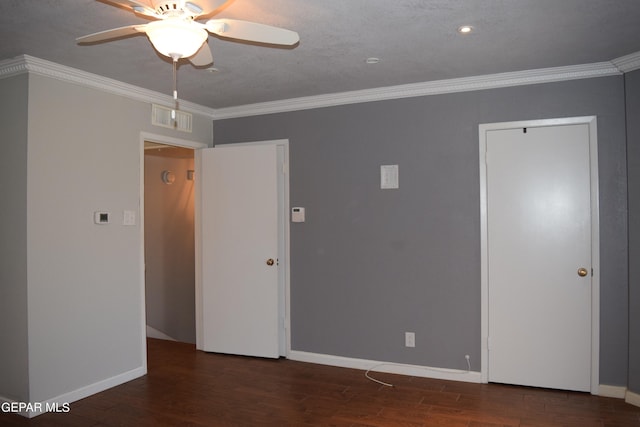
[161, 116]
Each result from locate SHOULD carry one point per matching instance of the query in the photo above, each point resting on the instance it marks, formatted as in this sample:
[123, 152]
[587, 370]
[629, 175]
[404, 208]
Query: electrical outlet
[409, 339]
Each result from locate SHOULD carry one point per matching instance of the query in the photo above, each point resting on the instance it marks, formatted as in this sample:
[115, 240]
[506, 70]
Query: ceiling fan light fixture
[176, 38]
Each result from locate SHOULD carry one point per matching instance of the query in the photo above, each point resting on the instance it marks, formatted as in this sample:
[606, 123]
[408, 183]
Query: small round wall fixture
[168, 177]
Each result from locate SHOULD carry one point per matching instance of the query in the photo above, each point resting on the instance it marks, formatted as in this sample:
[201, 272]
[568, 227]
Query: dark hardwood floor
[185, 387]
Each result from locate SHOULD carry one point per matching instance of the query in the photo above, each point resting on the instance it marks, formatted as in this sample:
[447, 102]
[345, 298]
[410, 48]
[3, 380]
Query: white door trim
[284, 239]
[595, 238]
[166, 140]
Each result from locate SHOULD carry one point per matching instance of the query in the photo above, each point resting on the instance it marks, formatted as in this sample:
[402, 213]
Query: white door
[239, 249]
[539, 256]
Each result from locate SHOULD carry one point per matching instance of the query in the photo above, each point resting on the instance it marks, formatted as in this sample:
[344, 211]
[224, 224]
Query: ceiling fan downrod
[175, 90]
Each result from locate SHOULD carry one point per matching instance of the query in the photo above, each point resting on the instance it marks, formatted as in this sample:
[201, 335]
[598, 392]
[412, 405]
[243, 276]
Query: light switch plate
[129, 218]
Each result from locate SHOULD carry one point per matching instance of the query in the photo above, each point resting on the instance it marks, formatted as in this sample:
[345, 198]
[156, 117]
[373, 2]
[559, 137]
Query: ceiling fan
[176, 33]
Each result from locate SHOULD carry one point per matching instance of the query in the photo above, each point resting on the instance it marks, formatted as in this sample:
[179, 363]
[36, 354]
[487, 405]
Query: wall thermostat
[297, 214]
[101, 217]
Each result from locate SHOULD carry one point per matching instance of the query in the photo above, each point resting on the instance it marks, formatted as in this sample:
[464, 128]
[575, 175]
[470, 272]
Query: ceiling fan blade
[203, 56]
[251, 31]
[138, 6]
[113, 33]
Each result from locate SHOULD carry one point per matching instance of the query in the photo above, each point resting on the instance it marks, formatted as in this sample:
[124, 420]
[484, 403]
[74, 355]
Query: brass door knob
[582, 272]
[270, 261]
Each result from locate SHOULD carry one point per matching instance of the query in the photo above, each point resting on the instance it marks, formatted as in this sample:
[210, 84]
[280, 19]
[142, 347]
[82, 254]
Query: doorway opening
[169, 242]
[196, 149]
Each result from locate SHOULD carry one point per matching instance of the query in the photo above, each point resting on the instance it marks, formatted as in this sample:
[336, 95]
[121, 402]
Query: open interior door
[238, 217]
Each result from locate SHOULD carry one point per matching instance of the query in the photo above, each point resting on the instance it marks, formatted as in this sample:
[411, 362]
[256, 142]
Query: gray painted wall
[370, 264]
[13, 244]
[169, 247]
[83, 292]
[632, 85]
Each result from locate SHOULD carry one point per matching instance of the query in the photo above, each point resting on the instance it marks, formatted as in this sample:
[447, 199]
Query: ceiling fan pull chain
[175, 91]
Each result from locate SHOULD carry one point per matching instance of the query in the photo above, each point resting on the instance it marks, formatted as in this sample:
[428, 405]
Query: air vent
[161, 116]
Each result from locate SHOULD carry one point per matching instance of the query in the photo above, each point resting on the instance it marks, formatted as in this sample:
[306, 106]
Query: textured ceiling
[416, 41]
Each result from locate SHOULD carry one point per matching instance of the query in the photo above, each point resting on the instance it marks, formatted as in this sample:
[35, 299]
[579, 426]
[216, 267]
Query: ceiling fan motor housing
[185, 9]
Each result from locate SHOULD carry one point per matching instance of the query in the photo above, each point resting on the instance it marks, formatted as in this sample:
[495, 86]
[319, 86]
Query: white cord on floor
[448, 371]
[366, 374]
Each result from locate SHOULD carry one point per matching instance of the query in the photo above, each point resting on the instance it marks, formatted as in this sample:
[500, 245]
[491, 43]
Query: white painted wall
[84, 298]
[83, 294]
[13, 240]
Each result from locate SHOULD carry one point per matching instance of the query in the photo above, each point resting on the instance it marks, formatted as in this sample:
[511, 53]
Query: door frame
[165, 140]
[595, 237]
[284, 334]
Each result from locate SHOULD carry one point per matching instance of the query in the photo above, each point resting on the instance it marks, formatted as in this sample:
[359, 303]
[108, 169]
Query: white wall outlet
[389, 177]
[409, 339]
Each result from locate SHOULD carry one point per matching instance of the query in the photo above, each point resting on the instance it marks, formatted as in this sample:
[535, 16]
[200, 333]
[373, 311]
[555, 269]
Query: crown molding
[627, 63]
[436, 87]
[13, 67]
[29, 64]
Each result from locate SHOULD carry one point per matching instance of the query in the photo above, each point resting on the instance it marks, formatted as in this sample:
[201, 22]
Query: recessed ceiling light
[372, 60]
[465, 29]
[212, 70]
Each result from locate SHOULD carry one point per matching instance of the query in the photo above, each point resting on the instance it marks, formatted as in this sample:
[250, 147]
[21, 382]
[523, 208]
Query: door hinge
[488, 343]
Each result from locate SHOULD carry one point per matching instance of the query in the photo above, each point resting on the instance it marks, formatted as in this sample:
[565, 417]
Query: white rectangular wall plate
[389, 177]
[409, 339]
[297, 214]
[129, 218]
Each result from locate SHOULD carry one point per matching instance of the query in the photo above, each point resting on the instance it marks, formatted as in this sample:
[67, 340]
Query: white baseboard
[618, 392]
[154, 333]
[388, 367]
[632, 398]
[6, 400]
[37, 408]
